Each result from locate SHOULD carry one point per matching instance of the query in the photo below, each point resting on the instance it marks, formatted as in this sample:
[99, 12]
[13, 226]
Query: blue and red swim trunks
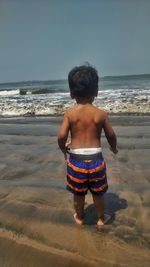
[86, 172]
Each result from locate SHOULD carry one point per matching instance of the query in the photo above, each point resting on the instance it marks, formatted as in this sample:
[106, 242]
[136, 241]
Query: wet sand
[36, 222]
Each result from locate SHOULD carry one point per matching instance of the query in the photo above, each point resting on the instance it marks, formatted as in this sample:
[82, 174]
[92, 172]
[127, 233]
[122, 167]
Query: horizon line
[63, 80]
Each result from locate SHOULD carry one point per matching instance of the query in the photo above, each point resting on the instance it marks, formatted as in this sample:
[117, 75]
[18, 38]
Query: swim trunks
[86, 172]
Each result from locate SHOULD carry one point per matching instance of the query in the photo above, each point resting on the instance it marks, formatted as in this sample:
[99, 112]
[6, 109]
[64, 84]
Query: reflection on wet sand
[36, 222]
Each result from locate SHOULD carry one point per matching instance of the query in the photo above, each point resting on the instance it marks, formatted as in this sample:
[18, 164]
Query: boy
[86, 167]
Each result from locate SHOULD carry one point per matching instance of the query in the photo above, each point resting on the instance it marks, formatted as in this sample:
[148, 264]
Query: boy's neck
[83, 100]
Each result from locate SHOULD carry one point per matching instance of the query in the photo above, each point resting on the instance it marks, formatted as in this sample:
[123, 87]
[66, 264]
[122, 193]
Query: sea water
[118, 95]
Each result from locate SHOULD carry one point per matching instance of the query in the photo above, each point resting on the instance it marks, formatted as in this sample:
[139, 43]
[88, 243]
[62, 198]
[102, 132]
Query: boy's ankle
[80, 217]
[77, 219]
[102, 218]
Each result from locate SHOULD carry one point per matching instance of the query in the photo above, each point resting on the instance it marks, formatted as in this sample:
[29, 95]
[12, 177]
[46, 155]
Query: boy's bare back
[86, 123]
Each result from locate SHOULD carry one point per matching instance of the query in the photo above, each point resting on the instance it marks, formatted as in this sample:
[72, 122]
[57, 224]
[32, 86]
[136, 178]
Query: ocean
[117, 95]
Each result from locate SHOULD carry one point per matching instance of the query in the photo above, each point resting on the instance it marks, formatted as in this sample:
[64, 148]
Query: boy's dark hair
[83, 81]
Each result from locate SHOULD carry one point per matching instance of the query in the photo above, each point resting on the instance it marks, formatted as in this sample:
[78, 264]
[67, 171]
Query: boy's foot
[101, 222]
[78, 221]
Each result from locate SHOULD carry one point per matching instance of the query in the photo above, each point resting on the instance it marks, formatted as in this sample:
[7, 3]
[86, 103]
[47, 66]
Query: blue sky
[43, 39]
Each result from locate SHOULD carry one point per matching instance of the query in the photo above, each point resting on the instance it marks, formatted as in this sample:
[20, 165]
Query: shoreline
[60, 115]
[117, 120]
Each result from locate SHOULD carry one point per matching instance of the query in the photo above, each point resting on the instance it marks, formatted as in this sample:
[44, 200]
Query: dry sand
[36, 222]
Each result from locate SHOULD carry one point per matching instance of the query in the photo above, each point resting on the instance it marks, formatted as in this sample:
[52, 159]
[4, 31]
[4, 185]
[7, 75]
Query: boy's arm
[110, 134]
[63, 134]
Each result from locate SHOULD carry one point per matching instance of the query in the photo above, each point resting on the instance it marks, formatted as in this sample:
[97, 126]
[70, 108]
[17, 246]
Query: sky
[44, 39]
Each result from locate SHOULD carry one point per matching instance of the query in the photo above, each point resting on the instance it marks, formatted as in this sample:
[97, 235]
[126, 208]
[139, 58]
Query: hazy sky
[43, 39]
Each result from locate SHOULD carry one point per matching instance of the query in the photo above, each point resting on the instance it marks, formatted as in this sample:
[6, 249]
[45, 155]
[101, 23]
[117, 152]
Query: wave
[34, 91]
[60, 91]
[31, 91]
[10, 92]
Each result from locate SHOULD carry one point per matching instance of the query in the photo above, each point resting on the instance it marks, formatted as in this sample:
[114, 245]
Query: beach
[36, 211]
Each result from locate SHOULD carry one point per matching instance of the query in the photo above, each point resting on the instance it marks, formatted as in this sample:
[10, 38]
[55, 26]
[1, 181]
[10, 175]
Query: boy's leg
[99, 205]
[79, 207]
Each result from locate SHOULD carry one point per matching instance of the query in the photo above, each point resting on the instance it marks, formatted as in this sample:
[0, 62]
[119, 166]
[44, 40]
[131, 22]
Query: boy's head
[83, 81]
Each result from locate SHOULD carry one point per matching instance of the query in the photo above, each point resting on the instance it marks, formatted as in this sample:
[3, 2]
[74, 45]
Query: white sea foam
[9, 92]
[58, 107]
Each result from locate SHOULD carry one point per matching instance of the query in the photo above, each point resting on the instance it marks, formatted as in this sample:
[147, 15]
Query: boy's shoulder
[100, 113]
[69, 111]
[97, 111]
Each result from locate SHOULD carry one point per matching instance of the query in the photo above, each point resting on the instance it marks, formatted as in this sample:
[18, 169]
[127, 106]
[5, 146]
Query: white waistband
[85, 151]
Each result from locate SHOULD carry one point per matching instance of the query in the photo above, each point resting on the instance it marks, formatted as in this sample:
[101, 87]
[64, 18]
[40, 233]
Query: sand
[36, 211]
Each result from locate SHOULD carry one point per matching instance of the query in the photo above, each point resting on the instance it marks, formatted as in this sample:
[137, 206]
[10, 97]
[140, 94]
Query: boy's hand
[65, 155]
[114, 150]
[66, 149]
[67, 146]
